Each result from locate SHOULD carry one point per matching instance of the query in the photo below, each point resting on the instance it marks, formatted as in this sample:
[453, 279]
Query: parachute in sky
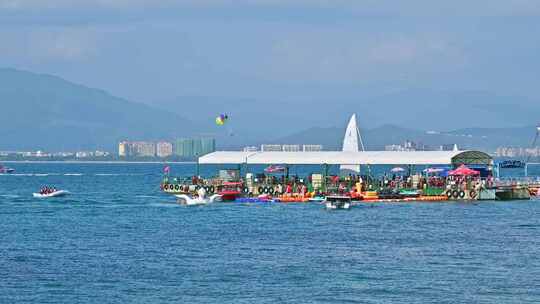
[222, 119]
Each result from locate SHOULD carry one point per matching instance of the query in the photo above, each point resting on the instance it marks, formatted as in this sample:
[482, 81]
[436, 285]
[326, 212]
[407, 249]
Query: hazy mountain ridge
[47, 112]
[377, 138]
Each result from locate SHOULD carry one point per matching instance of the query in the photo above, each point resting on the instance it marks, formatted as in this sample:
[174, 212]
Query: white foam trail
[10, 195]
[118, 174]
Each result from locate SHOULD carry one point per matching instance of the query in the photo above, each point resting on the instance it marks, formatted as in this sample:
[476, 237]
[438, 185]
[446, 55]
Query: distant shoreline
[93, 162]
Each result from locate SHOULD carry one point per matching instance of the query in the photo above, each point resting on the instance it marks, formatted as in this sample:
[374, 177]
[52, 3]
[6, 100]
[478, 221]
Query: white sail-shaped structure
[352, 142]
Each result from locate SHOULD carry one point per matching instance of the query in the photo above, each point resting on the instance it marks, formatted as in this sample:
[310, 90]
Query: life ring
[455, 194]
[461, 194]
[197, 187]
[449, 193]
[473, 194]
[176, 187]
[211, 189]
[270, 190]
[245, 190]
[266, 190]
[260, 190]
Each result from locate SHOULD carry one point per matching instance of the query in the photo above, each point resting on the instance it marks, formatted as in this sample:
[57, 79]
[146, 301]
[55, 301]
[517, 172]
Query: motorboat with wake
[6, 170]
[50, 192]
[334, 202]
[200, 199]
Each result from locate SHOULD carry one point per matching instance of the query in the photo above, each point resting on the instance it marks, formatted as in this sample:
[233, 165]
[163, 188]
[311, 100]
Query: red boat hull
[229, 196]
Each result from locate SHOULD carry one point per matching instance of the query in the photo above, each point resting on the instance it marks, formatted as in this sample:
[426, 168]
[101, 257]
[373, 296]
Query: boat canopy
[349, 158]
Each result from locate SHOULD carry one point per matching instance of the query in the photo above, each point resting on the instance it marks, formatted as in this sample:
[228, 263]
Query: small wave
[148, 196]
[119, 174]
[165, 204]
[73, 174]
[10, 195]
[32, 174]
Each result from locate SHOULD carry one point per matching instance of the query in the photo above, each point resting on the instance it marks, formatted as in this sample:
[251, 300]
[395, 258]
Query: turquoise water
[117, 239]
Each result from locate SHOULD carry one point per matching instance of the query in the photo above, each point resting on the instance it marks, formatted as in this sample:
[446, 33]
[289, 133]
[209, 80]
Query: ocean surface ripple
[117, 239]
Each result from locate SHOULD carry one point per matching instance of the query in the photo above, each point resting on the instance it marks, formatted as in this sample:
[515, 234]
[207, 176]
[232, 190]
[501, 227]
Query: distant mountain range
[376, 139]
[49, 113]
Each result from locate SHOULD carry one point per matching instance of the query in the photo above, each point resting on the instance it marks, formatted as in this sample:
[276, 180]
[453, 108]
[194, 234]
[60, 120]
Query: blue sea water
[117, 239]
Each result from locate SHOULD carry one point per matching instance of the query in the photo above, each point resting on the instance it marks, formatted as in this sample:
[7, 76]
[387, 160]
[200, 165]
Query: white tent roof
[226, 157]
[332, 158]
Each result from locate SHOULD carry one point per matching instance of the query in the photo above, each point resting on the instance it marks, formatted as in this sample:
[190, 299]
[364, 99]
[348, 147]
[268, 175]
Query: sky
[322, 50]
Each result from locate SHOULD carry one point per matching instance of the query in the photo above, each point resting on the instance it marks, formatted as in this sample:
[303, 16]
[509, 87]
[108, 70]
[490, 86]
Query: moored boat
[334, 202]
[230, 191]
[199, 199]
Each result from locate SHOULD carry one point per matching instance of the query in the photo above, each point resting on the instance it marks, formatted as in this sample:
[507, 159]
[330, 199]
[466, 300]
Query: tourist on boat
[288, 189]
[302, 190]
[279, 189]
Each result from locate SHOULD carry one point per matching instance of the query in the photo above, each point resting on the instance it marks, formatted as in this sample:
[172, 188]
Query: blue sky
[150, 51]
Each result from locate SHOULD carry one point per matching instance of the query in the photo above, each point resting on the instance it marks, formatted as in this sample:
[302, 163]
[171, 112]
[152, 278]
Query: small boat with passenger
[48, 192]
[6, 170]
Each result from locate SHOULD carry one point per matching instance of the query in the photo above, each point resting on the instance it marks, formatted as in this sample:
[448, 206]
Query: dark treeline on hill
[49, 113]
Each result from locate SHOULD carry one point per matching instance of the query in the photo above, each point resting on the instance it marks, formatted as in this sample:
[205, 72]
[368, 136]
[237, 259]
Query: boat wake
[119, 174]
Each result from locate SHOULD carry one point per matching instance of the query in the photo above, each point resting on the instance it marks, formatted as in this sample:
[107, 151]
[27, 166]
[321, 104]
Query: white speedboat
[58, 193]
[6, 170]
[201, 199]
[317, 199]
[337, 202]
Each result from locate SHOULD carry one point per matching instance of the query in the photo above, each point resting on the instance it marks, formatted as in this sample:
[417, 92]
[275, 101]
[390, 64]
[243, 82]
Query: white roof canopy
[333, 158]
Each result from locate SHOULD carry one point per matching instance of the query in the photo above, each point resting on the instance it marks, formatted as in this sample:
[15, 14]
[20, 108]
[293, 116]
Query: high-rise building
[250, 149]
[136, 149]
[290, 148]
[271, 148]
[143, 149]
[164, 149]
[312, 148]
[446, 147]
[193, 148]
[184, 148]
[197, 147]
[123, 149]
[208, 145]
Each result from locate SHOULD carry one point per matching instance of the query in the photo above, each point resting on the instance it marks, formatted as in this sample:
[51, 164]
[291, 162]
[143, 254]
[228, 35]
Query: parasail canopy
[222, 119]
